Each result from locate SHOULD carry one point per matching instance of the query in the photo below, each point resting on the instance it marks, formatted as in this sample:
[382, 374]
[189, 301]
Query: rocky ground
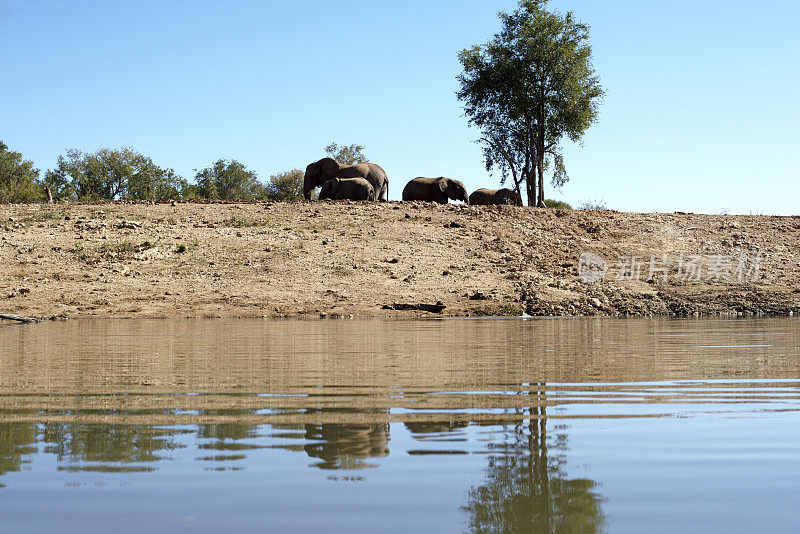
[389, 259]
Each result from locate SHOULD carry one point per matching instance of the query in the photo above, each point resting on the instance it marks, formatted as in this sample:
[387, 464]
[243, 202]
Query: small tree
[19, 180]
[287, 186]
[228, 180]
[527, 89]
[346, 155]
[111, 174]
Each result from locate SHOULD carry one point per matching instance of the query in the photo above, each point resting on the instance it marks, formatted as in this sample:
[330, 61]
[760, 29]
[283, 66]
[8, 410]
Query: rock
[596, 303]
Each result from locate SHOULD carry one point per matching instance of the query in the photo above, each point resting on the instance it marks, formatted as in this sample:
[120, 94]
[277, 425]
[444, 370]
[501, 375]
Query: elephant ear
[329, 167]
[311, 172]
[442, 183]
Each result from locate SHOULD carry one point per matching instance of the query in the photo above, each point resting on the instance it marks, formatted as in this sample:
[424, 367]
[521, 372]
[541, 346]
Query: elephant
[321, 171]
[347, 189]
[435, 190]
[495, 196]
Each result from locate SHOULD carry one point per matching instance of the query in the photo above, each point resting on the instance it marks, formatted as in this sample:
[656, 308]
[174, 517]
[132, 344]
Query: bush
[286, 186]
[557, 204]
[228, 180]
[112, 174]
[19, 180]
[593, 205]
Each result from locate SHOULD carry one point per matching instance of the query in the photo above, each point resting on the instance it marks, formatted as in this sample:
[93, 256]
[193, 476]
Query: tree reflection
[107, 448]
[16, 439]
[527, 490]
[227, 441]
[229, 430]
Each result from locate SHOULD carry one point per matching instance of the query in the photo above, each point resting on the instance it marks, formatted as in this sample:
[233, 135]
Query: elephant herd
[368, 181]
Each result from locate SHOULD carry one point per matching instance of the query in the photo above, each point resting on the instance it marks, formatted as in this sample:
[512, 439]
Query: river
[358, 425]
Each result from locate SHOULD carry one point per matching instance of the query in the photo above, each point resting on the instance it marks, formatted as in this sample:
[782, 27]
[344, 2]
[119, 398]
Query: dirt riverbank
[389, 259]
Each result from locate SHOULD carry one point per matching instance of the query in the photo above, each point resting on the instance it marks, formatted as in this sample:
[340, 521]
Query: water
[562, 425]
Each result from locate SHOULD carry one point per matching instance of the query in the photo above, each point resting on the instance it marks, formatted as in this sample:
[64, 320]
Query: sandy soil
[388, 259]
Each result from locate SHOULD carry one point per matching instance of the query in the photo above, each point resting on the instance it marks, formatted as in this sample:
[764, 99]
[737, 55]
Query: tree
[19, 180]
[228, 180]
[346, 155]
[112, 174]
[532, 85]
[285, 186]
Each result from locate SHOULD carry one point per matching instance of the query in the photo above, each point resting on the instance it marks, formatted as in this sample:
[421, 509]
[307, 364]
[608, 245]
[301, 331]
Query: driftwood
[20, 318]
[433, 308]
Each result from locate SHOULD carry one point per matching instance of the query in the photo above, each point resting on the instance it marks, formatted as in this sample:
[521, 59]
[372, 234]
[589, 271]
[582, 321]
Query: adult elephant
[495, 196]
[321, 171]
[435, 190]
[347, 189]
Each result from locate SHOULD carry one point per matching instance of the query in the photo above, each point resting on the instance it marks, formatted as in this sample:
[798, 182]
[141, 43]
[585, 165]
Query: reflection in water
[16, 439]
[435, 427]
[338, 445]
[126, 398]
[226, 441]
[107, 448]
[345, 446]
[526, 488]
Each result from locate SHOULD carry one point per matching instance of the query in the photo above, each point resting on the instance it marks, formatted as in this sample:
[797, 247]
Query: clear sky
[701, 112]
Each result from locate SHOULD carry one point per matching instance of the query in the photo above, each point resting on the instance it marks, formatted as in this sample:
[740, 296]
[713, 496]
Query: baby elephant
[495, 196]
[347, 189]
[435, 190]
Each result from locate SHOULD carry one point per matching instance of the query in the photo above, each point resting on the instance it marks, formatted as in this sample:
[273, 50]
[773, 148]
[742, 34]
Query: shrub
[112, 174]
[593, 205]
[287, 186]
[19, 180]
[557, 204]
[228, 180]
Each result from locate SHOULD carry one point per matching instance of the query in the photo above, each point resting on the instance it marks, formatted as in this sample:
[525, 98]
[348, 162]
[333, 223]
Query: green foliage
[346, 155]
[557, 204]
[286, 186]
[238, 221]
[532, 85]
[228, 180]
[19, 180]
[112, 174]
[509, 310]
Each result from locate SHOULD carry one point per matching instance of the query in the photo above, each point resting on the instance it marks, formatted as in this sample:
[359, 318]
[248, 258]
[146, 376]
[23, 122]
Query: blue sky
[701, 112]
